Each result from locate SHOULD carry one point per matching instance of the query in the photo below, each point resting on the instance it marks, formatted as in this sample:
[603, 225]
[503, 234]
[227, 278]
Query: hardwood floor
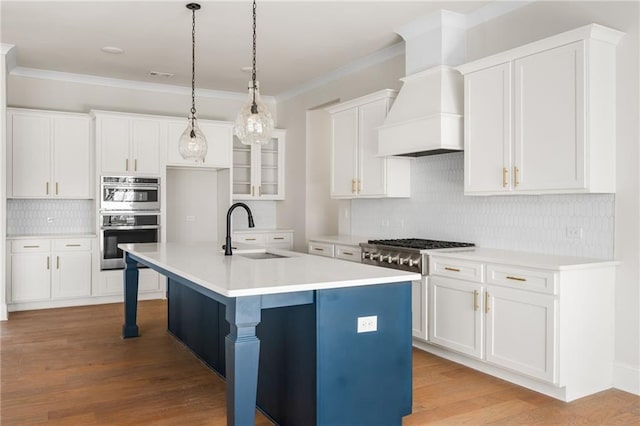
[70, 367]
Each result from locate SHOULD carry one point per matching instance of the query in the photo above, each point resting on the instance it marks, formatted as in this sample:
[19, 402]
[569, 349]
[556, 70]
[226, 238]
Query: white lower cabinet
[44, 269]
[456, 320]
[419, 307]
[342, 251]
[548, 328]
[520, 331]
[112, 282]
[281, 239]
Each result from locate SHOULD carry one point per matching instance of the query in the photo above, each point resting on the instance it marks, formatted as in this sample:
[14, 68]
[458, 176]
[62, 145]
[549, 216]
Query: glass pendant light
[193, 144]
[254, 122]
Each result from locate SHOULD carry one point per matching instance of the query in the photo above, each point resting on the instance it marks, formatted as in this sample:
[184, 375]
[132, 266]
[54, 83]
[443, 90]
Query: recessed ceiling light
[112, 49]
[160, 74]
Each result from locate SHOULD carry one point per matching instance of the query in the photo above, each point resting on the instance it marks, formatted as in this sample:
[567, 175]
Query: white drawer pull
[452, 269]
[509, 277]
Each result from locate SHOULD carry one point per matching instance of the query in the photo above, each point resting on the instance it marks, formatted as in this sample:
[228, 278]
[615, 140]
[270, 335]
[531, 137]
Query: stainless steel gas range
[409, 254]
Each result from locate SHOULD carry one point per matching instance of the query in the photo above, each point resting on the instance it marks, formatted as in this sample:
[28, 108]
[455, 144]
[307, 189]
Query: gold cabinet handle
[347, 253]
[30, 246]
[47, 188]
[452, 269]
[56, 188]
[126, 164]
[353, 186]
[48, 260]
[72, 245]
[249, 239]
[505, 173]
[278, 238]
[359, 186]
[516, 180]
[135, 165]
[509, 277]
[486, 302]
[57, 262]
[259, 190]
[318, 249]
[252, 190]
[475, 300]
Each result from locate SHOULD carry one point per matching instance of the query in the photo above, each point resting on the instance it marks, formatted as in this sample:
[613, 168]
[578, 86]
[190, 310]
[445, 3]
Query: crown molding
[129, 84]
[360, 64]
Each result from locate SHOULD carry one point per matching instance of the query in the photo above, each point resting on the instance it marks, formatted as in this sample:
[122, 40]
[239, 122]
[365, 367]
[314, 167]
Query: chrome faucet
[227, 243]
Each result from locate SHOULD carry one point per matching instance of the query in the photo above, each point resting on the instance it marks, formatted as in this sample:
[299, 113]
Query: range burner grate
[418, 243]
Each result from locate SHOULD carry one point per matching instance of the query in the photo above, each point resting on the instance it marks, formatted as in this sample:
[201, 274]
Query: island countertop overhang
[235, 276]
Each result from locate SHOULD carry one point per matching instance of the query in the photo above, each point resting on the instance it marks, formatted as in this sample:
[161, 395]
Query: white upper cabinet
[219, 135]
[258, 171]
[128, 144]
[541, 118]
[357, 170]
[49, 154]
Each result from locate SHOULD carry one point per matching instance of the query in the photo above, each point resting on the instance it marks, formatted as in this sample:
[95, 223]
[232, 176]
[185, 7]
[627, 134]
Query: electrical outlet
[367, 324]
[190, 218]
[574, 233]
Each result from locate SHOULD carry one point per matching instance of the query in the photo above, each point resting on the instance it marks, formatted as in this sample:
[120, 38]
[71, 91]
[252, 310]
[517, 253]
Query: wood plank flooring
[70, 367]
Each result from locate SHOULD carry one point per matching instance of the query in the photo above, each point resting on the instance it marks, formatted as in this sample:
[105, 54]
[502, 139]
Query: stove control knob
[403, 260]
[373, 256]
[393, 259]
[384, 257]
[413, 262]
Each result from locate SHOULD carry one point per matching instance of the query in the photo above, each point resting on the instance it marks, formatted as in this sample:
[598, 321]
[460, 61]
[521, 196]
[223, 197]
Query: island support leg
[130, 327]
[242, 350]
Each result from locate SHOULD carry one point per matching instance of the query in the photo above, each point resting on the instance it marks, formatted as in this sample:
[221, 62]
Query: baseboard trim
[626, 377]
[66, 303]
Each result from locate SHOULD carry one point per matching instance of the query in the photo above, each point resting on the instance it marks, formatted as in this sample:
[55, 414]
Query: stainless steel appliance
[409, 254]
[125, 227]
[129, 193]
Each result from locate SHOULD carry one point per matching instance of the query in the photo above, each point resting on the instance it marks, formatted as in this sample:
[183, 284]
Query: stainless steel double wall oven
[129, 213]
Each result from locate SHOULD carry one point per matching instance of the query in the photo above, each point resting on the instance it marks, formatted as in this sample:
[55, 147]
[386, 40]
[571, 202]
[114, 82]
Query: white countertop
[260, 230]
[351, 240]
[51, 236]
[205, 264]
[533, 260]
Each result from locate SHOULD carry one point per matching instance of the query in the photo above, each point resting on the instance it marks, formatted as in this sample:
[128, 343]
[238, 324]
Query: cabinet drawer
[522, 278]
[75, 244]
[26, 246]
[320, 249]
[454, 268]
[250, 238]
[279, 237]
[348, 253]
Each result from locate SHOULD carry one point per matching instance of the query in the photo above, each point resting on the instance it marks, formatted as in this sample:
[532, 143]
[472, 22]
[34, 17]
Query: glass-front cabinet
[258, 171]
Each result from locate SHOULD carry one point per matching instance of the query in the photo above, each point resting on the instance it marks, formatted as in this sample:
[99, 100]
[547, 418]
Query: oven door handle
[127, 187]
[140, 212]
[128, 228]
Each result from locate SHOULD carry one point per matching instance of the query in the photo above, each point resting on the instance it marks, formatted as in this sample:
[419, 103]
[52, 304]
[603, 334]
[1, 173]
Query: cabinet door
[549, 119]
[219, 141]
[455, 317]
[371, 169]
[146, 147]
[344, 154]
[520, 332]
[72, 157]
[419, 299]
[71, 275]
[114, 135]
[30, 277]
[244, 158]
[31, 155]
[487, 130]
[271, 168]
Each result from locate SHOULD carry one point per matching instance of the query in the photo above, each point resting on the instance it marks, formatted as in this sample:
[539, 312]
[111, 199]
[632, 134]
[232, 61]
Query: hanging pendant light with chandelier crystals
[254, 122]
[193, 144]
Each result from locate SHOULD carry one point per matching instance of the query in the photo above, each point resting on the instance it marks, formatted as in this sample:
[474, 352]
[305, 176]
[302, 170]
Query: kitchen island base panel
[314, 368]
[131, 275]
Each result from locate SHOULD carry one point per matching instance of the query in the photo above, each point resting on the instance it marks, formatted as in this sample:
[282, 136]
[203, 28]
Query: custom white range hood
[426, 117]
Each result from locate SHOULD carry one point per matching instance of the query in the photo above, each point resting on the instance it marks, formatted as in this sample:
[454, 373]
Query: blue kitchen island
[308, 340]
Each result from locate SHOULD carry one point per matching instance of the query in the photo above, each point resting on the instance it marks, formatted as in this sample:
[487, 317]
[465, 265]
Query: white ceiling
[298, 41]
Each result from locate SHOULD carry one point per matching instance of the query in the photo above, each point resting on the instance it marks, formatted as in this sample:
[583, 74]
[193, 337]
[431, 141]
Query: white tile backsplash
[438, 209]
[44, 217]
[264, 215]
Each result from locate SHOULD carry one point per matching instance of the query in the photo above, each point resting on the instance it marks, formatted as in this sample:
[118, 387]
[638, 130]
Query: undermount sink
[263, 255]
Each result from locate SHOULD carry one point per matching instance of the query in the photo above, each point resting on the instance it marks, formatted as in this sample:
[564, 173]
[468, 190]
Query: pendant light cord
[254, 106]
[193, 66]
